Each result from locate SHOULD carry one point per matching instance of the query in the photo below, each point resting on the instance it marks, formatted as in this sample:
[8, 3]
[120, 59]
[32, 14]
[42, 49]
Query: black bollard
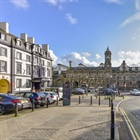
[33, 105]
[91, 100]
[47, 102]
[112, 125]
[79, 100]
[16, 109]
[99, 100]
[111, 105]
[109, 101]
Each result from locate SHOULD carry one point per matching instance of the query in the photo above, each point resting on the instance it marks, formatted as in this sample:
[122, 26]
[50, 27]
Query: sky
[79, 30]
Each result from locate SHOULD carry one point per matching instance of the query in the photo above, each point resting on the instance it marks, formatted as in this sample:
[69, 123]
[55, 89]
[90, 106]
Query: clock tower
[108, 59]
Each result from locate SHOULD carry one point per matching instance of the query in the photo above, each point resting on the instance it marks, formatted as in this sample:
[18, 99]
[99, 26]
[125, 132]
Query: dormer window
[28, 47]
[18, 42]
[3, 37]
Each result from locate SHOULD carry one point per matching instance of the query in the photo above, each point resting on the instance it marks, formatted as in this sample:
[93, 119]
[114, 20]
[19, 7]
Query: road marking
[130, 126]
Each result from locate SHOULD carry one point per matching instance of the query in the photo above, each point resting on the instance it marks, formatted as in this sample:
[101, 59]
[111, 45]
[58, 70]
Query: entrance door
[4, 86]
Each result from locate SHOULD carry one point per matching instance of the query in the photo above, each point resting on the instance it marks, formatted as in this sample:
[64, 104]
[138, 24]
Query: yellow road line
[130, 126]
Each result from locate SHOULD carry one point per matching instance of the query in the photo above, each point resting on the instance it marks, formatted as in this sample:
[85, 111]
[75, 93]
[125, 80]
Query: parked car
[7, 103]
[78, 91]
[54, 96]
[58, 90]
[108, 91]
[135, 92]
[38, 97]
[50, 96]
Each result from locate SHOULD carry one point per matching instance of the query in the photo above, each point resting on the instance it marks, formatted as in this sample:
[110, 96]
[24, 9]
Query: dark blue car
[7, 103]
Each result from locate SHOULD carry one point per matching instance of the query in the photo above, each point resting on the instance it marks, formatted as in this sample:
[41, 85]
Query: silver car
[135, 92]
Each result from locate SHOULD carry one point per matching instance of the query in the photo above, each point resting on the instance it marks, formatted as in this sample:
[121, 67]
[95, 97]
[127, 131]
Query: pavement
[84, 121]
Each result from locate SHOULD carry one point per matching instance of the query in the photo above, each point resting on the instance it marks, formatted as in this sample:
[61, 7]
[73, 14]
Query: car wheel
[2, 109]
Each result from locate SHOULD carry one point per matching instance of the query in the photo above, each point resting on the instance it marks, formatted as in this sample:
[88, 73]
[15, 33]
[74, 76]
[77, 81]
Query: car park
[135, 92]
[39, 98]
[7, 103]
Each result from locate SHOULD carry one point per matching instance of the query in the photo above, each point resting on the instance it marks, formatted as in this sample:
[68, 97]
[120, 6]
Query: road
[130, 110]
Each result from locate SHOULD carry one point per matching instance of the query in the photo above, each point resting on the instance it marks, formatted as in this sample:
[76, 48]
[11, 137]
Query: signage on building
[14, 83]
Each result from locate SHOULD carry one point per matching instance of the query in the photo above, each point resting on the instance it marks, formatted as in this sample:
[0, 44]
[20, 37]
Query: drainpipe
[32, 68]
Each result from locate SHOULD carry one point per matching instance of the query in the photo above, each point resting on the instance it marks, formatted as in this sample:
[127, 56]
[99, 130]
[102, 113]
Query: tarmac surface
[84, 121]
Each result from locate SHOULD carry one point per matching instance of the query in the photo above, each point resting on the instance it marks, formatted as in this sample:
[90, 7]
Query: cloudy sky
[79, 30]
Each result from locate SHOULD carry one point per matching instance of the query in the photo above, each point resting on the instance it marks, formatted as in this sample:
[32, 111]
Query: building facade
[123, 76]
[24, 65]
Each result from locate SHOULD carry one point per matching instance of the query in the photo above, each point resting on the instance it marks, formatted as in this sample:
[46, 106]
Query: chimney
[70, 64]
[45, 47]
[23, 36]
[31, 40]
[4, 26]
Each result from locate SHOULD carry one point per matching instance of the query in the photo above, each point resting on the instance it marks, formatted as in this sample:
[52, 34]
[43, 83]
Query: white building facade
[24, 65]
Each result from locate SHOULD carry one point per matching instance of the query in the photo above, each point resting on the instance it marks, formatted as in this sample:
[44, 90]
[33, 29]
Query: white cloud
[97, 56]
[54, 58]
[20, 3]
[113, 1]
[71, 19]
[76, 58]
[59, 2]
[131, 19]
[137, 4]
[86, 54]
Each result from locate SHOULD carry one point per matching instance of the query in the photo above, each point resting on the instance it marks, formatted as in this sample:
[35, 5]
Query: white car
[135, 92]
[52, 96]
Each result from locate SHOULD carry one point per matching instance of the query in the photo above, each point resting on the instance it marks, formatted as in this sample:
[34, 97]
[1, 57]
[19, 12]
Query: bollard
[82, 95]
[33, 105]
[57, 101]
[99, 100]
[91, 100]
[109, 101]
[111, 105]
[96, 96]
[47, 102]
[112, 125]
[16, 109]
[79, 99]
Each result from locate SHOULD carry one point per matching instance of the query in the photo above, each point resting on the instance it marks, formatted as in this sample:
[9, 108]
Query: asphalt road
[130, 110]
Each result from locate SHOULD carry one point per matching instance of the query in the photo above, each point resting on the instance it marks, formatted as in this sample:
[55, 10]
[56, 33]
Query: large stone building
[104, 75]
[24, 65]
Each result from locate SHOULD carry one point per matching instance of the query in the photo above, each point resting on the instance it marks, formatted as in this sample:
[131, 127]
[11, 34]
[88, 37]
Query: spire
[107, 49]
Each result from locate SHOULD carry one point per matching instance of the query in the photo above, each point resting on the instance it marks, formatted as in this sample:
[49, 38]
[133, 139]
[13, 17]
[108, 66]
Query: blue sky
[79, 30]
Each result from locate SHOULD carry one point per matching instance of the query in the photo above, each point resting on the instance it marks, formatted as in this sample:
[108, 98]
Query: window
[48, 64]
[3, 37]
[28, 47]
[19, 68]
[42, 62]
[18, 43]
[19, 56]
[28, 58]
[3, 66]
[3, 51]
[28, 70]
[36, 60]
[28, 83]
[42, 84]
[43, 71]
[48, 72]
[18, 83]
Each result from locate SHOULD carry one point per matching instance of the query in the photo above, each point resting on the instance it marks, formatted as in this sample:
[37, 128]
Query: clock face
[107, 56]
